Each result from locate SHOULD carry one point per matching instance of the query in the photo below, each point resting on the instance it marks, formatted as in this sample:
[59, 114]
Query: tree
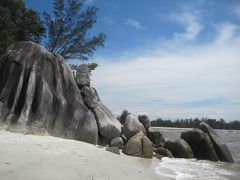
[68, 30]
[18, 23]
[123, 116]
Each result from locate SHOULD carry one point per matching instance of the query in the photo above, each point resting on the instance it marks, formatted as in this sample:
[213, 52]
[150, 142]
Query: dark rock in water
[132, 126]
[145, 121]
[83, 75]
[156, 137]
[114, 150]
[201, 144]
[117, 142]
[163, 152]
[38, 91]
[221, 149]
[179, 148]
[139, 145]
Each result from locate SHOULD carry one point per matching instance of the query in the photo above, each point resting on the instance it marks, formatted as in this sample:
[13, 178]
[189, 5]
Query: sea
[192, 169]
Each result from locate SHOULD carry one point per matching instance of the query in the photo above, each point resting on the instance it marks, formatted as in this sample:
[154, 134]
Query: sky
[167, 59]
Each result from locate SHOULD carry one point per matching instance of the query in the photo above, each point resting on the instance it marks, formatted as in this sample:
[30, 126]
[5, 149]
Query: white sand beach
[28, 157]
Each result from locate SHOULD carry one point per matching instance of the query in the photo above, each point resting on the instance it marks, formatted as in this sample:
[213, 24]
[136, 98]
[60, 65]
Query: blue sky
[169, 59]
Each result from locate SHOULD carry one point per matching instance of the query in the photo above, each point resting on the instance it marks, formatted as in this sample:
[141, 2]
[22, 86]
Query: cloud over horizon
[176, 79]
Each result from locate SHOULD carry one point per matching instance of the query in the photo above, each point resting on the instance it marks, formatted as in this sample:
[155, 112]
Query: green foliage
[68, 30]
[123, 116]
[92, 66]
[194, 123]
[18, 23]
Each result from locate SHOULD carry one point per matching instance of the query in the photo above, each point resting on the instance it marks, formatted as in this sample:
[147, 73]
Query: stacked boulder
[137, 143]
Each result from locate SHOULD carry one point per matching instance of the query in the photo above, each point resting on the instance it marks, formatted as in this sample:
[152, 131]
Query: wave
[192, 169]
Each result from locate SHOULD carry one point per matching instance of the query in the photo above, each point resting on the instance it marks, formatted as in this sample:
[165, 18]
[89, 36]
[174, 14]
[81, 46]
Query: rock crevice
[38, 91]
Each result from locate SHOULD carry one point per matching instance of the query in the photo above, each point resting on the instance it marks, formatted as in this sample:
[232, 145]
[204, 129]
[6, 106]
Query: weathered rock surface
[201, 144]
[38, 91]
[221, 149]
[179, 148]
[156, 137]
[117, 142]
[132, 126]
[163, 152]
[108, 126]
[83, 76]
[145, 121]
[139, 145]
[147, 148]
[87, 129]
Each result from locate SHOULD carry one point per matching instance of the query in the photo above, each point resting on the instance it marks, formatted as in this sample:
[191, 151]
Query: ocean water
[192, 169]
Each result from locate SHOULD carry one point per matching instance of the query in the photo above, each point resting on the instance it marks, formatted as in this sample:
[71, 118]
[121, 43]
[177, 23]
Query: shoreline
[27, 157]
[36, 157]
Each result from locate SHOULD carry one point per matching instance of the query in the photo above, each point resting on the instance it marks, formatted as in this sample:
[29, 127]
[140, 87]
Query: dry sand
[30, 157]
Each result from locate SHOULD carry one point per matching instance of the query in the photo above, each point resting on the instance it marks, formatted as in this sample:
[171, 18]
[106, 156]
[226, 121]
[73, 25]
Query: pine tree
[68, 30]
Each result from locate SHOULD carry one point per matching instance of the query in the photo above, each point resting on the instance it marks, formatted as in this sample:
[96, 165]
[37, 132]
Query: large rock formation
[38, 92]
[201, 144]
[221, 149]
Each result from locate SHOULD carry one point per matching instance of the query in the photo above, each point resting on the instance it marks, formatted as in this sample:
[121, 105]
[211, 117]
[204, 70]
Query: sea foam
[192, 169]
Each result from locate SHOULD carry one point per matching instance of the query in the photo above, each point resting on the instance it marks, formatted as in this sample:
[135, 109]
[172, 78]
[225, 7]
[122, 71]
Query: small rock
[117, 142]
[163, 152]
[114, 150]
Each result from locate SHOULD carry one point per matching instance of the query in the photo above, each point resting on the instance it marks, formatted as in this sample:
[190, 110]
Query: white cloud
[187, 81]
[226, 32]
[134, 23]
[190, 21]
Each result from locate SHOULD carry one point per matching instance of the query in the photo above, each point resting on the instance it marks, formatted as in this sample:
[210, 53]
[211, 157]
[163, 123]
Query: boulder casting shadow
[38, 92]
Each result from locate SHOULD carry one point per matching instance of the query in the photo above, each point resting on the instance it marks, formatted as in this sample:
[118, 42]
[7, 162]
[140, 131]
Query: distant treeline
[194, 123]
